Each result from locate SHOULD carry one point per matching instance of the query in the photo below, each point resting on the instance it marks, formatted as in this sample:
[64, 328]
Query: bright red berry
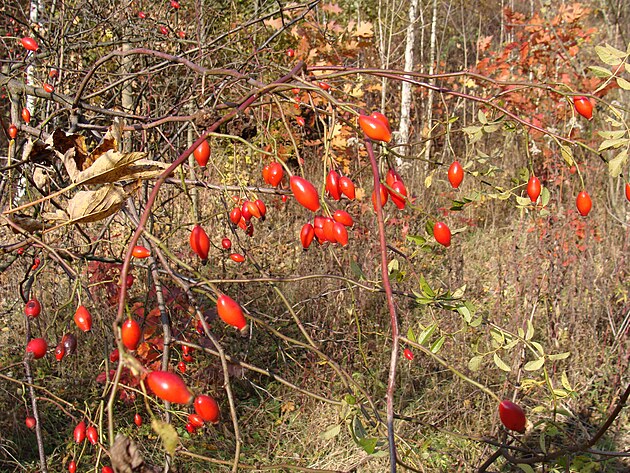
[512, 416]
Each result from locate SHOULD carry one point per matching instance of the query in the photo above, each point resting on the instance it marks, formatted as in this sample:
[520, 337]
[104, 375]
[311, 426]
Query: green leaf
[501, 364]
[358, 431]
[481, 116]
[617, 143]
[545, 195]
[410, 335]
[525, 467]
[368, 444]
[498, 336]
[167, 433]
[425, 288]
[530, 331]
[418, 240]
[610, 55]
[612, 135]
[465, 313]
[623, 83]
[600, 72]
[565, 381]
[429, 179]
[616, 165]
[567, 155]
[459, 292]
[437, 345]
[559, 356]
[539, 347]
[350, 399]
[392, 266]
[522, 201]
[534, 365]
[357, 271]
[331, 432]
[426, 334]
[475, 363]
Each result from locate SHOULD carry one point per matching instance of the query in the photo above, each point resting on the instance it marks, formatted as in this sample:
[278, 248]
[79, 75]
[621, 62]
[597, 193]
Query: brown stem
[391, 381]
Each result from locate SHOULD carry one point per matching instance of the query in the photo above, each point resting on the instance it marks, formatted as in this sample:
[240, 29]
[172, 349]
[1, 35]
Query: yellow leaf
[167, 433]
[364, 30]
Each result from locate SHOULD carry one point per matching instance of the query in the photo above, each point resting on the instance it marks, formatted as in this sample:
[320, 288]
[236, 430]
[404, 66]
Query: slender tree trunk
[429, 115]
[405, 93]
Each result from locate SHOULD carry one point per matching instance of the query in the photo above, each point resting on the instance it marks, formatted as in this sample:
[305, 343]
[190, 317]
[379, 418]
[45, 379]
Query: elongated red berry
[512, 416]
[533, 188]
[83, 319]
[230, 312]
[140, 252]
[442, 233]
[305, 193]
[455, 174]
[583, 203]
[199, 242]
[207, 408]
[169, 387]
[306, 235]
[202, 153]
[583, 106]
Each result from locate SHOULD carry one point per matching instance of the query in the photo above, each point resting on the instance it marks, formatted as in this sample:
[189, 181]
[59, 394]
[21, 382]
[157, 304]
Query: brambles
[199, 242]
[169, 387]
[442, 234]
[230, 312]
[140, 252]
[202, 153]
[583, 203]
[38, 347]
[583, 106]
[455, 174]
[83, 319]
[130, 334]
[305, 193]
[32, 308]
[533, 188]
[207, 408]
[512, 416]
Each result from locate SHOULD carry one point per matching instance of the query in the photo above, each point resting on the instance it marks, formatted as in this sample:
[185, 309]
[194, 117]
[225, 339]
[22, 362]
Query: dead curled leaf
[110, 166]
[91, 206]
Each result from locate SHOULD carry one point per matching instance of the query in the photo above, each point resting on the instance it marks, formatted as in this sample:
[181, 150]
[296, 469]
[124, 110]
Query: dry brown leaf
[110, 166]
[146, 169]
[364, 30]
[275, 23]
[62, 142]
[27, 223]
[92, 206]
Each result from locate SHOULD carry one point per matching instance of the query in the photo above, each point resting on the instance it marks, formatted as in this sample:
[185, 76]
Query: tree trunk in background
[405, 93]
[429, 116]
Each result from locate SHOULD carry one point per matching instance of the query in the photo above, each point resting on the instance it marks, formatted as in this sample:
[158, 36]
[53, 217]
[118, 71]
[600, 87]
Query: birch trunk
[405, 93]
[429, 115]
